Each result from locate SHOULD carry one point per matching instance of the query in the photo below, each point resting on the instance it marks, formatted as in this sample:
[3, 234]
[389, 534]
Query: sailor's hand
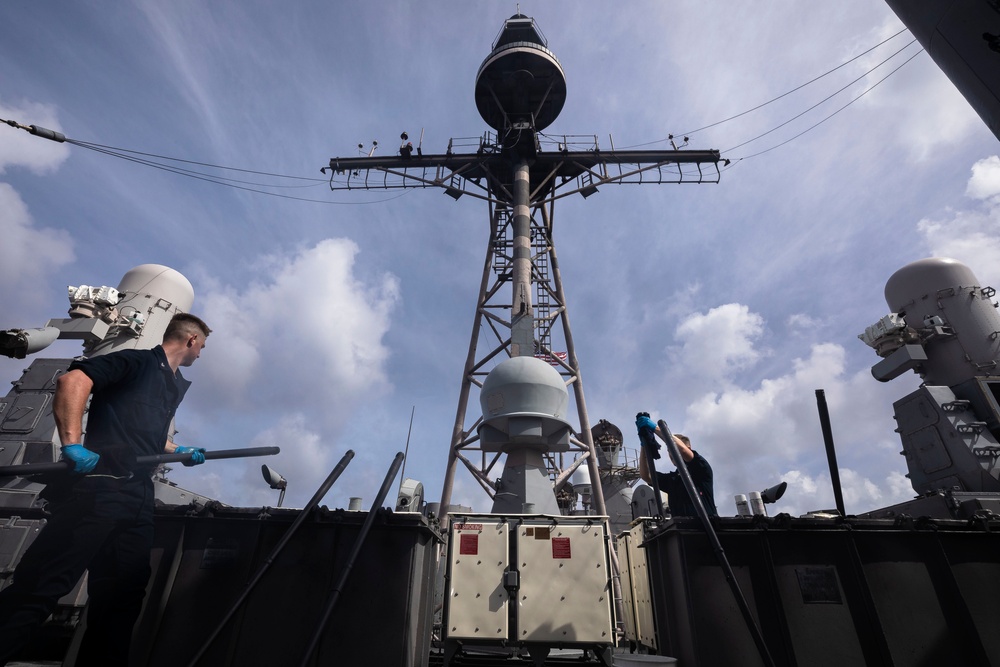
[646, 428]
[197, 455]
[643, 421]
[83, 459]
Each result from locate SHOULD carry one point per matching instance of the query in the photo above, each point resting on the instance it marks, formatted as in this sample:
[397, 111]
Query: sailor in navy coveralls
[102, 513]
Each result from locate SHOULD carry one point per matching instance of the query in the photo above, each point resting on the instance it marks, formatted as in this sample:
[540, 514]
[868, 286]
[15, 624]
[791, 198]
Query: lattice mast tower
[520, 90]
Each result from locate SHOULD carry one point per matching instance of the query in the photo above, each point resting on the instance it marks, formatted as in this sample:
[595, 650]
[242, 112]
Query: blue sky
[720, 308]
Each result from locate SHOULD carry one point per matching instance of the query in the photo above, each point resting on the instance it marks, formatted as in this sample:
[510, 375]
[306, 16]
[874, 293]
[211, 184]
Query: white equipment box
[556, 568]
[636, 592]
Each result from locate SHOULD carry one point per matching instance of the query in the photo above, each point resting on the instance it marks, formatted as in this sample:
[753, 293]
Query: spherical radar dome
[524, 386]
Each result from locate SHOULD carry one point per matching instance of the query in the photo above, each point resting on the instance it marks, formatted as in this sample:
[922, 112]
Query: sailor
[405, 147]
[671, 483]
[102, 512]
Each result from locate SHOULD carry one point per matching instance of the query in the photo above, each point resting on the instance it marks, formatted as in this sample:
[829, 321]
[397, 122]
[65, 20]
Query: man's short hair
[183, 325]
[684, 439]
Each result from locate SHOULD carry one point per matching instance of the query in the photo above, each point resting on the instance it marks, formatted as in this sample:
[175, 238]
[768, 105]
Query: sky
[720, 308]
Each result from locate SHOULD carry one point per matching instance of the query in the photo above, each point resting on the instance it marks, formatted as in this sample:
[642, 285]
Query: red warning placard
[469, 544]
[560, 547]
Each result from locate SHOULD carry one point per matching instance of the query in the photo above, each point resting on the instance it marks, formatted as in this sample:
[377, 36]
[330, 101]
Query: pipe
[831, 453]
[313, 502]
[27, 469]
[651, 466]
[362, 534]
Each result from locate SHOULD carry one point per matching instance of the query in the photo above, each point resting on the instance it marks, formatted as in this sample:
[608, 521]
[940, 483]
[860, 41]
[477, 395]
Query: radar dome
[524, 386]
[524, 402]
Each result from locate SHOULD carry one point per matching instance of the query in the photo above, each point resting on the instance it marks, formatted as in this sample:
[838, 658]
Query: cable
[93, 146]
[120, 153]
[828, 97]
[123, 153]
[797, 88]
[735, 161]
[812, 127]
[140, 157]
[232, 183]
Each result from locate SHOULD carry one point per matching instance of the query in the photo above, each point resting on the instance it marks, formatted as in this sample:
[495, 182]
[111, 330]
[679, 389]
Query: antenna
[406, 451]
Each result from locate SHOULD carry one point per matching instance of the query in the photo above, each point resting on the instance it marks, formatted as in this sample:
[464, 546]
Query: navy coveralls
[672, 484]
[103, 521]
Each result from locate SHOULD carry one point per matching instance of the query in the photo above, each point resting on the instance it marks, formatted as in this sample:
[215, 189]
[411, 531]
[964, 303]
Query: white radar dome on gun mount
[105, 319]
[132, 316]
[151, 295]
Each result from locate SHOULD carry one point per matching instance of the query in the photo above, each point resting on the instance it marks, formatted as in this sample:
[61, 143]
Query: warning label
[560, 547]
[468, 526]
[468, 545]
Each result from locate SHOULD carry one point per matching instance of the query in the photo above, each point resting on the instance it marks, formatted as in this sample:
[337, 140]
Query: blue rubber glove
[647, 437]
[643, 421]
[197, 455]
[83, 459]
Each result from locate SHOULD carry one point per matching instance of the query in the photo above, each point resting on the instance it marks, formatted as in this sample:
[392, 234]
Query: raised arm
[682, 447]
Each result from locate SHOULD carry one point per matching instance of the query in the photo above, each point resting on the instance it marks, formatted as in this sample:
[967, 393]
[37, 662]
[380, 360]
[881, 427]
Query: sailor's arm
[69, 404]
[643, 468]
[685, 451]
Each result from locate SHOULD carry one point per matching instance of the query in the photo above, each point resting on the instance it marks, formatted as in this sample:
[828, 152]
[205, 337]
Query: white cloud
[801, 321]
[808, 493]
[28, 253]
[310, 459]
[769, 420]
[304, 459]
[310, 334]
[716, 343]
[21, 149]
[755, 435]
[985, 180]
[972, 236]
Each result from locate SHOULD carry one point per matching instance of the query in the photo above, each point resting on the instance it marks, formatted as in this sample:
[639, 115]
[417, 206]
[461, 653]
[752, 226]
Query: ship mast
[520, 90]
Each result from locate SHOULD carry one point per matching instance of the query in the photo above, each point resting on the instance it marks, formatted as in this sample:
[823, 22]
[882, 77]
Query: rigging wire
[150, 159]
[783, 95]
[93, 146]
[133, 156]
[812, 127]
[121, 153]
[834, 94]
[797, 88]
[228, 182]
[732, 162]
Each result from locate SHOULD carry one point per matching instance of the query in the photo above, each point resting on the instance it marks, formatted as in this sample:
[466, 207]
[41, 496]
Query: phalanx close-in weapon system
[945, 327]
